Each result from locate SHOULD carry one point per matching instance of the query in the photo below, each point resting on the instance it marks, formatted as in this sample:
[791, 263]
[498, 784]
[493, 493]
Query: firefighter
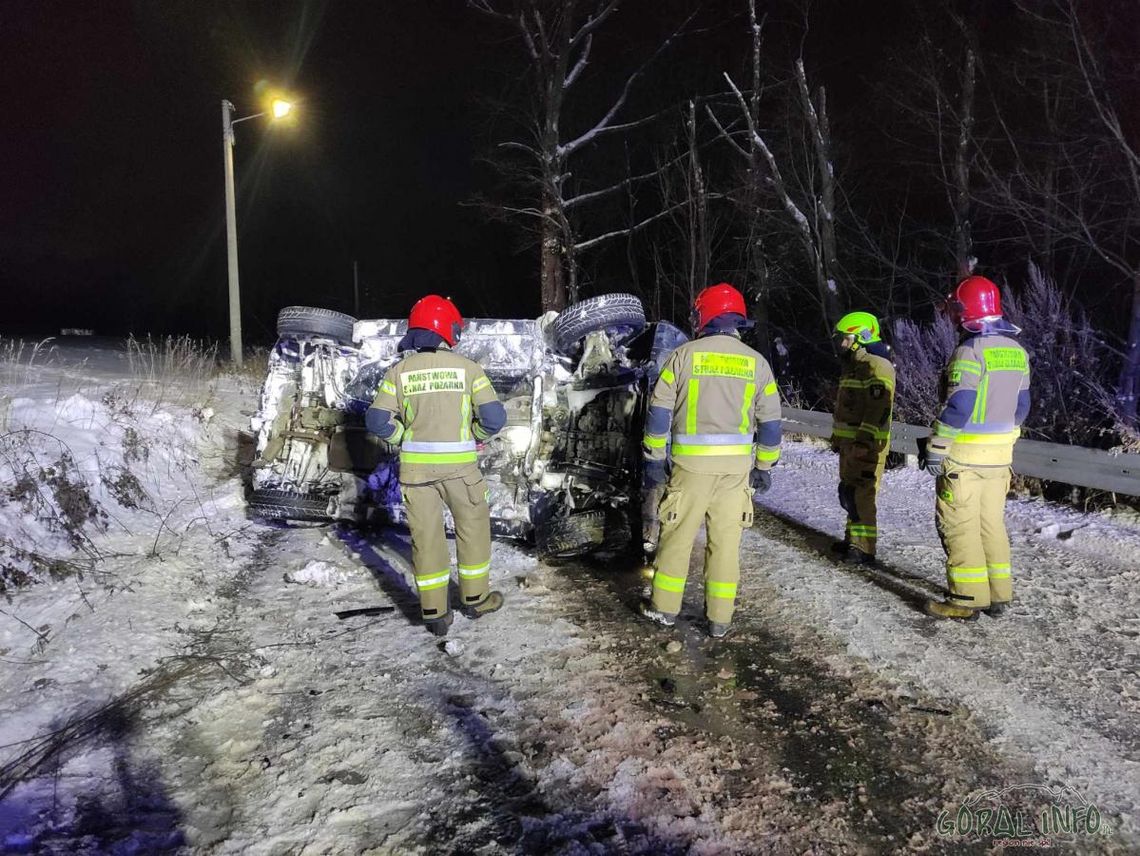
[437, 405]
[715, 413]
[986, 398]
[862, 430]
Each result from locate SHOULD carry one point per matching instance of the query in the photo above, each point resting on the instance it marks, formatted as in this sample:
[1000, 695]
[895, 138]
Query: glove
[760, 481]
[652, 474]
[932, 462]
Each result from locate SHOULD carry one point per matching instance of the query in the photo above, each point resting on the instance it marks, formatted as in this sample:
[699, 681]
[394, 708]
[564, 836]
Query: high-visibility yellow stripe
[427, 582]
[719, 589]
[473, 571]
[668, 583]
[965, 366]
[941, 429]
[1000, 439]
[999, 571]
[388, 387]
[856, 383]
[770, 389]
[767, 454]
[683, 450]
[979, 415]
[438, 457]
[746, 409]
[843, 432]
[691, 409]
[465, 419]
[875, 431]
[668, 376]
[652, 442]
[397, 434]
[480, 384]
[968, 575]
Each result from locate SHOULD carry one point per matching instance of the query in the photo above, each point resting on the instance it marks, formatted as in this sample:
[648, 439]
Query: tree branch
[617, 233]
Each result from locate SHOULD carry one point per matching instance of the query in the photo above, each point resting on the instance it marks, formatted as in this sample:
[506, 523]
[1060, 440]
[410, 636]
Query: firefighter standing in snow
[862, 429]
[716, 412]
[971, 449]
[437, 405]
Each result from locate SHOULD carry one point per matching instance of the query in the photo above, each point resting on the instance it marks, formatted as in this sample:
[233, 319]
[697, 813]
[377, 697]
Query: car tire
[299, 321]
[288, 505]
[604, 312]
[578, 534]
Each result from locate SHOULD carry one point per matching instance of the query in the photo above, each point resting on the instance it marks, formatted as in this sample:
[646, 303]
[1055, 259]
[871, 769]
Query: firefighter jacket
[866, 395]
[435, 404]
[986, 398]
[716, 405]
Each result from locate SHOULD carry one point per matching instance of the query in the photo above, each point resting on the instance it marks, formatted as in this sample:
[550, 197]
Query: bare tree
[1074, 187]
[558, 37]
[810, 209]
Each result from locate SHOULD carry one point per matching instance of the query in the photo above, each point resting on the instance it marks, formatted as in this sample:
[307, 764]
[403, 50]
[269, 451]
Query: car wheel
[622, 312]
[298, 321]
[288, 505]
[581, 533]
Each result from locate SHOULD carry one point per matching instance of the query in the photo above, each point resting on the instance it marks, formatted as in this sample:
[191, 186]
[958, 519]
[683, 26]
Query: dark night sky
[112, 212]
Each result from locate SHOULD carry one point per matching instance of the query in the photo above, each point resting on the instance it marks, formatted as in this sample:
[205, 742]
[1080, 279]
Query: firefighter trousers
[861, 468]
[970, 516]
[723, 502]
[466, 497]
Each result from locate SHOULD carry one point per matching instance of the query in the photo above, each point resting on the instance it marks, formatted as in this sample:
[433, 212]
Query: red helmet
[717, 300]
[439, 315]
[974, 299]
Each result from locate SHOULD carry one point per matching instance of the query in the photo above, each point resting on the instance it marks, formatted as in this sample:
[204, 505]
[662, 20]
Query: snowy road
[212, 703]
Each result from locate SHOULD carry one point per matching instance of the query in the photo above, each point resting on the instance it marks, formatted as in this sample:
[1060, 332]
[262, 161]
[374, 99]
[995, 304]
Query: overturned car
[564, 472]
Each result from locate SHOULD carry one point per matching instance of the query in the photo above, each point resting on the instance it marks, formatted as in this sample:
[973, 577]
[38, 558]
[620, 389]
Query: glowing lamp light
[280, 108]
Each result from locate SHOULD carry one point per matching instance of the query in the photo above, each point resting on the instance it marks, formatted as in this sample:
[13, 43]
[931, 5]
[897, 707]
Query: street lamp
[279, 109]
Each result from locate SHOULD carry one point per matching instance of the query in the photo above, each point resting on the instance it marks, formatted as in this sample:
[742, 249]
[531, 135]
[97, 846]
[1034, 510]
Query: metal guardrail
[1075, 465]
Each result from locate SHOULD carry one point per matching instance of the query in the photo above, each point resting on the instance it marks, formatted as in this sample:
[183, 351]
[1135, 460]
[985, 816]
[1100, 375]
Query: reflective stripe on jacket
[434, 399]
[720, 393]
[979, 420]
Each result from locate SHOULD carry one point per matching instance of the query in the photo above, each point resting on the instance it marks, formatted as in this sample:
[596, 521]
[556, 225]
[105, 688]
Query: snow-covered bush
[921, 353]
[1072, 369]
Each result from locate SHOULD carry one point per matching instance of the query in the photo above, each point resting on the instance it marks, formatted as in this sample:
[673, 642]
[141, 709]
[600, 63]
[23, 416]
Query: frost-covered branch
[617, 233]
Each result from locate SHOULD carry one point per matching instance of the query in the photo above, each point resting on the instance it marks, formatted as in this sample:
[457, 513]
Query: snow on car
[564, 472]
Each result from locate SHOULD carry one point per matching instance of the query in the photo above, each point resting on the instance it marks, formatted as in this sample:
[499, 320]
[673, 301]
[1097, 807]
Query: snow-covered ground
[194, 691]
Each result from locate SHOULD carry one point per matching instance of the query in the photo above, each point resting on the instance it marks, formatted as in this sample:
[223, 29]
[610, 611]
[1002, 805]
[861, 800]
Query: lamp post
[278, 109]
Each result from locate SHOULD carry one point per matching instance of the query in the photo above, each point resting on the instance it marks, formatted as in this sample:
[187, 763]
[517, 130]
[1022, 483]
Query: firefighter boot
[944, 609]
[839, 548]
[718, 630]
[439, 626]
[855, 556]
[996, 609]
[493, 602]
[665, 619]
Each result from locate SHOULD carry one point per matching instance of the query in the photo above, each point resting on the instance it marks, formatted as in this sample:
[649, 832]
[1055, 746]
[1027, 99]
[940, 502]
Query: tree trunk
[552, 274]
[962, 233]
[1128, 389]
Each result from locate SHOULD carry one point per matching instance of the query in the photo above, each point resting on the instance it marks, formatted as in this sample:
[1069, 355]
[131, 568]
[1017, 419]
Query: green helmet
[862, 325]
